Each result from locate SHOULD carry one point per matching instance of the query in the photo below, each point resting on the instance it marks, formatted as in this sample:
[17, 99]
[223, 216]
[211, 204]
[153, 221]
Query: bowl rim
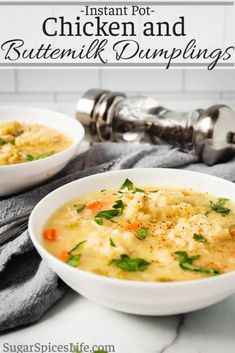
[118, 281]
[74, 144]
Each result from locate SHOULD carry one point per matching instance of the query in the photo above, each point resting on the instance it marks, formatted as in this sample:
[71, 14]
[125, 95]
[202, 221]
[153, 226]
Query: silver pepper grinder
[111, 116]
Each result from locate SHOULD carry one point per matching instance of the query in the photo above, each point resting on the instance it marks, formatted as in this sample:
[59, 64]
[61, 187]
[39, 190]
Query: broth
[145, 233]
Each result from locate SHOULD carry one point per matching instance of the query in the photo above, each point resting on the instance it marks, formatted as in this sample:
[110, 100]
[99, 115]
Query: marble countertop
[75, 320]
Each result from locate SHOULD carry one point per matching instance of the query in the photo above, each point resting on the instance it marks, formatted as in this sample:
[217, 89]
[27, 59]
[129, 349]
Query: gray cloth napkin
[28, 288]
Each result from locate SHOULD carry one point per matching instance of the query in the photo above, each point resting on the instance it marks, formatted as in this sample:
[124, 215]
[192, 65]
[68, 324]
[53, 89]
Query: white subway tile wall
[65, 85]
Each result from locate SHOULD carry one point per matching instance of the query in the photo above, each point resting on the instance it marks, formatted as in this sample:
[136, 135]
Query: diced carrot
[50, 234]
[216, 265]
[232, 230]
[95, 206]
[132, 227]
[64, 255]
[219, 265]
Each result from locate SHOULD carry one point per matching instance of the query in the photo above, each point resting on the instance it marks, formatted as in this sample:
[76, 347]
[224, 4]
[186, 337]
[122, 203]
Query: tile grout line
[183, 80]
[16, 81]
[100, 80]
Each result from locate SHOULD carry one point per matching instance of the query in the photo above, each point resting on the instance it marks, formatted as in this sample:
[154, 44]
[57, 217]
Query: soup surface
[145, 233]
[21, 142]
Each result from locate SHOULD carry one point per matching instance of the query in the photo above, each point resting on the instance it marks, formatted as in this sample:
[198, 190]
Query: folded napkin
[28, 288]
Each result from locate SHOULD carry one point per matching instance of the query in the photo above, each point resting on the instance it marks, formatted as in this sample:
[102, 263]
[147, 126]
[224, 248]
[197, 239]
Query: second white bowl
[17, 177]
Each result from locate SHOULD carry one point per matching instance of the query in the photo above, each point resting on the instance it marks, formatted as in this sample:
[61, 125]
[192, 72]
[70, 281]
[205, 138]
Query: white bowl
[146, 298]
[17, 177]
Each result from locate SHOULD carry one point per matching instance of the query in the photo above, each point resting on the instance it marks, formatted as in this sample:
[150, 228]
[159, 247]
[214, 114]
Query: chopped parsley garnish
[99, 220]
[186, 263]
[112, 243]
[139, 190]
[222, 201]
[218, 207]
[107, 214]
[200, 238]
[77, 246]
[142, 233]
[119, 205]
[126, 263]
[30, 157]
[117, 210]
[2, 141]
[127, 184]
[130, 186]
[74, 260]
[7, 140]
[79, 207]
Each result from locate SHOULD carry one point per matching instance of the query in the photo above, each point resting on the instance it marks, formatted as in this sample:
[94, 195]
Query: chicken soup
[22, 142]
[145, 233]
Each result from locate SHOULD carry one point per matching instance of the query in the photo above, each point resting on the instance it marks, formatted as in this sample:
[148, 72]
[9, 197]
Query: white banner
[104, 34]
